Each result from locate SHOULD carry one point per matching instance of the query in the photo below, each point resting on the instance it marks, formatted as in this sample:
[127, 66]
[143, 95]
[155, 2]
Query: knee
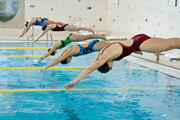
[74, 37]
[175, 42]
[77, 29]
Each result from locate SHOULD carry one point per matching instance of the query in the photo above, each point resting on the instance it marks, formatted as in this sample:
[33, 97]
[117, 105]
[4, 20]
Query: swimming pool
[159, 101]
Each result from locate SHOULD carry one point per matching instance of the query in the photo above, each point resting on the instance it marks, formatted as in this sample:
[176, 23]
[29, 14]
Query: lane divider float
[103, 89]
[34, 56]
[55, 68]
[25, 48]
[37, 68]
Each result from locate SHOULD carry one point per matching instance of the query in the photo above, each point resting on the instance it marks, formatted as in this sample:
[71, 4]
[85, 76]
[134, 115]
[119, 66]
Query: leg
[85, 37]
[176, 42]
[159, 44]
[47, 22]
[73, 28]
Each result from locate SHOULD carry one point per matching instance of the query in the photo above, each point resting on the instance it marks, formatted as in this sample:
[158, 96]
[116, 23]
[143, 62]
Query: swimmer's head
[67, 60]
[44, 27]
[106, 67]
[53, 53]
[26, 23]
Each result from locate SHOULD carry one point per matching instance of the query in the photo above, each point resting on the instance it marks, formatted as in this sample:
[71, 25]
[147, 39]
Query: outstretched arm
[86, 72]
[111, 53]
[56, 61]
[47, 29]
[97, 57]
[22, 33]
[26, 29]
[48, 53]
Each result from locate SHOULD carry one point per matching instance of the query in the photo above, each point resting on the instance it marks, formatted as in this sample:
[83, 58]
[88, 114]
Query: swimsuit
[40, 23]
[87, 50]
[127, 50]
[65, 42]
[57, 28]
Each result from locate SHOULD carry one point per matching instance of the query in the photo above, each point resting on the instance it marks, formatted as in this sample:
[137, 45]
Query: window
[8, 10]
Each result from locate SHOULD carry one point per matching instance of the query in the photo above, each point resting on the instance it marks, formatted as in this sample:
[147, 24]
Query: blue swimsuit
[40, 23]
[87, 50]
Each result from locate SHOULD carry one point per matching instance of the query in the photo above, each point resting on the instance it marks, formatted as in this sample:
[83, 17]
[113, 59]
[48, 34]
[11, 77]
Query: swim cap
[64, 61]
[53, 53]
[26, 23]
[104, 68]
[44, 27]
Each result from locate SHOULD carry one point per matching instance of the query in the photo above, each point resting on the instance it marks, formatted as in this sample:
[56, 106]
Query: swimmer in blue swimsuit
[75, 51]
[71, 38]
[37, 21]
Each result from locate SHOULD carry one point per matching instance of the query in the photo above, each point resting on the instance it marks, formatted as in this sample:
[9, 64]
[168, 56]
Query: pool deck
[161, 67]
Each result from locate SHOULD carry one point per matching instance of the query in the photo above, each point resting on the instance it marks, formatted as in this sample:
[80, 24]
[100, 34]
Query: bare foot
[91, 30]
[102, 37]
[42, 69]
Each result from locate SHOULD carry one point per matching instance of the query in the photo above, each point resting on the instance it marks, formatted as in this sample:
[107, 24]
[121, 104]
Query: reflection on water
[70, 113]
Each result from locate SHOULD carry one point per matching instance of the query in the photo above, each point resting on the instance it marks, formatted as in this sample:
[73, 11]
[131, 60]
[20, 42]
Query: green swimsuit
[65, 42]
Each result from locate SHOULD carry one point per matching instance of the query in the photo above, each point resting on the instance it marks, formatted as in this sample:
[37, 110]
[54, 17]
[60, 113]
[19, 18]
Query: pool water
[151, 104]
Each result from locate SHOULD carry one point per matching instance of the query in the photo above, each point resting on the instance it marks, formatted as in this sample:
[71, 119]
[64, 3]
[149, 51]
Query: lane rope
[105, 89]
[55, 68]
[24, 48]
[24, 56]
[34, 56]
[37, 68]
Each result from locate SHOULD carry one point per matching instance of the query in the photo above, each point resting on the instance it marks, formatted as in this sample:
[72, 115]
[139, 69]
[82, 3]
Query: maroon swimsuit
[57, 28]
[127, 50]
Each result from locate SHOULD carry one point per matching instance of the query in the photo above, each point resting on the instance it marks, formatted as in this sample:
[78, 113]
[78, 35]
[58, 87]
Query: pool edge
[155, 66]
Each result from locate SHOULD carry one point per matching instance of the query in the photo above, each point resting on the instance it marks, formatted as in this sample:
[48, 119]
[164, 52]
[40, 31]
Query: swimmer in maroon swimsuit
[117, 50]
[64, 27]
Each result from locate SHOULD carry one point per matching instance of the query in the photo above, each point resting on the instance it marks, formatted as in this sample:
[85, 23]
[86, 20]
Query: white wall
[119, 17]
[66, 11]
[163, 18]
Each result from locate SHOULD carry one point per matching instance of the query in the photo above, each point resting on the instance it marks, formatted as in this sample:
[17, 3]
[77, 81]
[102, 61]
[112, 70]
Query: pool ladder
[32, 34]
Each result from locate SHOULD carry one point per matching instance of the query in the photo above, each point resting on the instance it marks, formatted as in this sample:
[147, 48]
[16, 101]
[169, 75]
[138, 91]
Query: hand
[39, 60]
[35, 40]
[70, 85]
[21, 35]
[42, 69]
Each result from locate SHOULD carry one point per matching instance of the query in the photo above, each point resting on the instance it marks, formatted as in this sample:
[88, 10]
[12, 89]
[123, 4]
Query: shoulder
[113, 51]
[74, 47]
[57, 44]
[52, 25]
[32, 20]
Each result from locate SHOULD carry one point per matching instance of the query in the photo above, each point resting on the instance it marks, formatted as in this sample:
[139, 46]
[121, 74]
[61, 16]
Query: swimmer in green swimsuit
[71, 38]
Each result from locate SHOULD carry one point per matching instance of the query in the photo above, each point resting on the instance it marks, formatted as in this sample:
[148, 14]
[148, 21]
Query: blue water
[84, 105]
